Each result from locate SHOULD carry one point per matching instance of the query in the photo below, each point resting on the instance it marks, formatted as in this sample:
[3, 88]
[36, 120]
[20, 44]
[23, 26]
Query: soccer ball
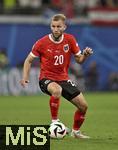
[57, 130]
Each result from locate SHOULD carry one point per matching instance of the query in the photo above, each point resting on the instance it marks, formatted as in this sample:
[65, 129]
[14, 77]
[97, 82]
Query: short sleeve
[74, 46]
[36, 49]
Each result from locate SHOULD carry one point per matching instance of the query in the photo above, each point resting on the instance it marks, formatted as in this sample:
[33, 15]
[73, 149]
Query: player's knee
[57, 92]
[84, 108]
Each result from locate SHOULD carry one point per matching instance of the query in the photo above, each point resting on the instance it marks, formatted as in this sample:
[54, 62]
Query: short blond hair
[58, 17]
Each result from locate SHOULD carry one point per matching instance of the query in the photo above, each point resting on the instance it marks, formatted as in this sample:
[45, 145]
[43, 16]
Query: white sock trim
[75, 130]
[55, 120]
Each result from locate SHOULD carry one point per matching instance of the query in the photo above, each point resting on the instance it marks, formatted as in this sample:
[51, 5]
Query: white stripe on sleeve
[33, 54]
[78, 53]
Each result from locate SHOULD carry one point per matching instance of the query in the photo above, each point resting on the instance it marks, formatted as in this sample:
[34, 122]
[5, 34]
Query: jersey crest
[66, 48]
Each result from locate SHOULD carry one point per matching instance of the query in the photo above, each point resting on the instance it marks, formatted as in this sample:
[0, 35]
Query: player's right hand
[24, 82]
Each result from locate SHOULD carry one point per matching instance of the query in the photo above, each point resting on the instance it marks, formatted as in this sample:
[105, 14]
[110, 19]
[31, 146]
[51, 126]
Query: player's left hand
[87, 51]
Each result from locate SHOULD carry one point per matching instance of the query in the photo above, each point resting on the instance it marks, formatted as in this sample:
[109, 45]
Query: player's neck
[57, 42]
[56, 39]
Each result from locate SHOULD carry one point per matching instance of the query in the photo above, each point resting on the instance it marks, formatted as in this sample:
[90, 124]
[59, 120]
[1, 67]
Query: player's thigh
[80, 102]
[69, 89]
[54, 88]
[50, 87]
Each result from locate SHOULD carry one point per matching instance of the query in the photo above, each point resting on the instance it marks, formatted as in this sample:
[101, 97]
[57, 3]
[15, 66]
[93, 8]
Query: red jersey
[55, 56]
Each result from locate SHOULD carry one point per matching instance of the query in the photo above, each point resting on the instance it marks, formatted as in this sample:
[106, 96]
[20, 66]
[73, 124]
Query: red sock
[79, 118]
[54, 107]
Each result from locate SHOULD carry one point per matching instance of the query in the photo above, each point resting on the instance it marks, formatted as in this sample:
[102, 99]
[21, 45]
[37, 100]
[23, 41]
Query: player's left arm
[82, 57]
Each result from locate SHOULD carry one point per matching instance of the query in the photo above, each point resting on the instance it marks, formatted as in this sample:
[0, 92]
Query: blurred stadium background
[94, 23]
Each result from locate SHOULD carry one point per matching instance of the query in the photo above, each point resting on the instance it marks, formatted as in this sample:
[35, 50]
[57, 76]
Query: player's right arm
[35, 52]
[26, 70]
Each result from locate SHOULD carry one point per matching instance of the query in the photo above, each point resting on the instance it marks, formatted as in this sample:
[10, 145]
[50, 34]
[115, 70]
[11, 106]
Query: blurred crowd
[3, 59]
[71, 8]
[89, 80]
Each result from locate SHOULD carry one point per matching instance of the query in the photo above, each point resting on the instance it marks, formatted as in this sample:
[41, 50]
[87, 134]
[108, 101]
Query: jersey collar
[57, 42]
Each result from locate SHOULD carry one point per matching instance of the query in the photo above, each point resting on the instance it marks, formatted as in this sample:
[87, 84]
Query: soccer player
[54, 51]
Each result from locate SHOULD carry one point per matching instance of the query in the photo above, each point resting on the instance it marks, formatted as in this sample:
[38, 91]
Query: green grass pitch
[101, 120]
